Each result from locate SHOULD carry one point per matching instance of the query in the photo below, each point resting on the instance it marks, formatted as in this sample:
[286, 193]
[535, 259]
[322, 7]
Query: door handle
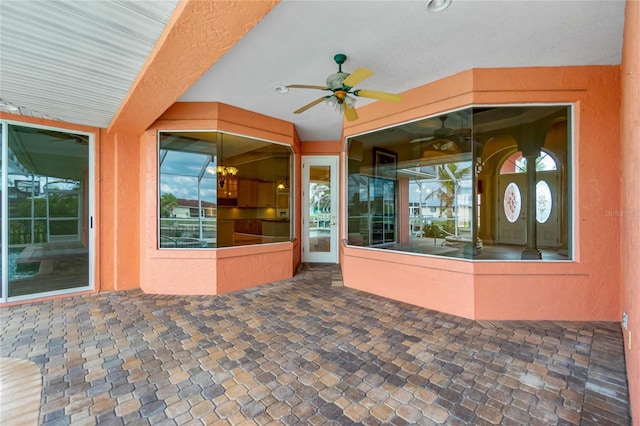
[333, 224]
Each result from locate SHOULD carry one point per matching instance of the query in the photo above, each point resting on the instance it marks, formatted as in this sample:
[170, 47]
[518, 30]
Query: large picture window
[221, 190]
[457, 184]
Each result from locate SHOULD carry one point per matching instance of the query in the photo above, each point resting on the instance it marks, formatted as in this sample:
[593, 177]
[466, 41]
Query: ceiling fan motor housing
[334, 81]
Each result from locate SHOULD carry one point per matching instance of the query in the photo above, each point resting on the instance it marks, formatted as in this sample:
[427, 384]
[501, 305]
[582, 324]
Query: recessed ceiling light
[437, 5]
[282, 89]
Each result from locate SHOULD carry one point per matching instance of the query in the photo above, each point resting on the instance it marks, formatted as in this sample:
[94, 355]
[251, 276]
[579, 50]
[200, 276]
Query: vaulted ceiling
[76, 61]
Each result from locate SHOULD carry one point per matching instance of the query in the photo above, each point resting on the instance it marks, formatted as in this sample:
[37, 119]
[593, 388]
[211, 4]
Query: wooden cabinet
[266, 194]
[248, 226]
[247, 193]
[252, 193]
[229, 190]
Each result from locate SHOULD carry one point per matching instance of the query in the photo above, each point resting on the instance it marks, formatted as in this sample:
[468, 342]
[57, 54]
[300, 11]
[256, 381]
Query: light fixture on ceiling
[281, 89]
[343, 95]
[338, 98]
[437, 5]
[224, 172]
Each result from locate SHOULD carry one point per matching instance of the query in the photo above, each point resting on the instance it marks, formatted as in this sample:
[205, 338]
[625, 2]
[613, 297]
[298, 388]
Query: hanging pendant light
[224, 172]
[284, 185]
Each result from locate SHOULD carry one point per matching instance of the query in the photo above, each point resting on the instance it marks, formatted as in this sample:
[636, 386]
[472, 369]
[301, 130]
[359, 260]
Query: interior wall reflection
[221, 190]
[471, 190]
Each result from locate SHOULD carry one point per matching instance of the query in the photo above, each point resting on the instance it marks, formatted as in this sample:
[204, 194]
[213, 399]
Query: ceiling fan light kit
[341, 84]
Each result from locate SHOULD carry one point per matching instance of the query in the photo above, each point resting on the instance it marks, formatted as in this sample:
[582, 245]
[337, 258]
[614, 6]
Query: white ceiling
[75, 61]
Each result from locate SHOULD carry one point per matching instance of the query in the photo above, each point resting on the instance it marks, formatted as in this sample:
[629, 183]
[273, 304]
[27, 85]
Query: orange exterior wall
[115, 192]
[207, 271]
[321, 148]
[629, 206]
[121, 193]
[174, 65]
[587, 288]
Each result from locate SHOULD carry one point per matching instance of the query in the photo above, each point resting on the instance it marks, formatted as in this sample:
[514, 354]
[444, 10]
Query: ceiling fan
[444, 132]
[445, 139]
[341, 86]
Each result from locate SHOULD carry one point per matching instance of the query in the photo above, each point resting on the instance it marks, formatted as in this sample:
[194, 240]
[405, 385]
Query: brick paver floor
[303, 351]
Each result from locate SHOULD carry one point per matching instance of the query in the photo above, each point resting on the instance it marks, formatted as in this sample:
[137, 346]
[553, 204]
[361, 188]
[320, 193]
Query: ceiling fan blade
[350, 113]
[382, 96]
[424, 139]
[306, 86]
[357, 76]
[310, 104]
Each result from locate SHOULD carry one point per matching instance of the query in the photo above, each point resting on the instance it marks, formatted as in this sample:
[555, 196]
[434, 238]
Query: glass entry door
[512, 217]
[320, 209]
[46, 218]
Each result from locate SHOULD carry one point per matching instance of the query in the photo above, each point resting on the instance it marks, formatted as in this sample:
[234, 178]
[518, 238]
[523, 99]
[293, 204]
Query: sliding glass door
[46, 215]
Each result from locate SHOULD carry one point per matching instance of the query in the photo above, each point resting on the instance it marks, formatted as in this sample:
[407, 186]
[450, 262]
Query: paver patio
[303, 351]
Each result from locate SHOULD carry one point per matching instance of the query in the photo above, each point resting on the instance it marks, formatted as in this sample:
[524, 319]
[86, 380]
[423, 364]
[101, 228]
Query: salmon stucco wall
[433, 283]
[627, 212]
[121, 151]
[321, 148]
[586, 288]
[201, 271]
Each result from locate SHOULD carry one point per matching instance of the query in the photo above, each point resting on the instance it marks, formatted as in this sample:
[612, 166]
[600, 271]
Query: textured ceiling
[75, 61]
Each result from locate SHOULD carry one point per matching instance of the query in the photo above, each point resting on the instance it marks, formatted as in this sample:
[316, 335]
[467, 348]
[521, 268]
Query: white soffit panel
[75, 61]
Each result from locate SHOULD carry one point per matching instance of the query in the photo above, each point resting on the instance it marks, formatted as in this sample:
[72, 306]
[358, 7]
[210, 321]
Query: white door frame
[330, 256]
[4, 213]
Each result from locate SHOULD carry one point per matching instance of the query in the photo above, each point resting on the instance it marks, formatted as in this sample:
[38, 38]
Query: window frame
[289, 173]
[570, 164]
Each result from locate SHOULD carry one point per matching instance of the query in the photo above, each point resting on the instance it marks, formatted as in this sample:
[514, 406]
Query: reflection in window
[220, 190]
[319, 209]
[516, 163]
[187, 192]
[447, 182]
[434, 162]
[48, 208]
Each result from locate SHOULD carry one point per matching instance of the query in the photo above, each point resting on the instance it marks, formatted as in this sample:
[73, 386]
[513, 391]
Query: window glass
[544, 201]
[516, 163]
[221, 190]
[48, 211]
[455, 184]
[512, 202]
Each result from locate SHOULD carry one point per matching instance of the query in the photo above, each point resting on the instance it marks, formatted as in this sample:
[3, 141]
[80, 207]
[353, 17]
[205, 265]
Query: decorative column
[530, 143]
[475, 247]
